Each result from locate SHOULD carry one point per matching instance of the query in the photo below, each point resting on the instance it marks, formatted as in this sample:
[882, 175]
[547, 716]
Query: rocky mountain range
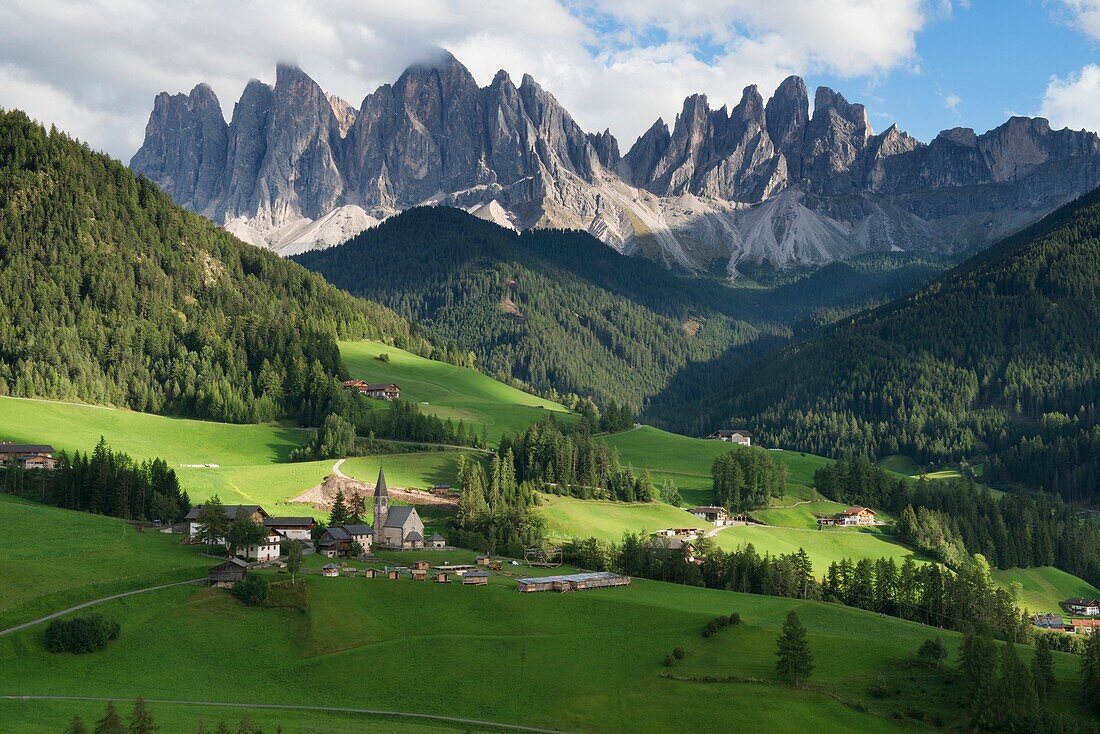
[296, 169]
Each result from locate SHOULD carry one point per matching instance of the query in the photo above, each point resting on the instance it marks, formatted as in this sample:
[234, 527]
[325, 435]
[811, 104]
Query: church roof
[380, 489]
[398, 516]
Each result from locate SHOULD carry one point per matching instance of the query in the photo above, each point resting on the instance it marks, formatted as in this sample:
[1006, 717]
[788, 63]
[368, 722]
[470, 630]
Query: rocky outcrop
[296, 168]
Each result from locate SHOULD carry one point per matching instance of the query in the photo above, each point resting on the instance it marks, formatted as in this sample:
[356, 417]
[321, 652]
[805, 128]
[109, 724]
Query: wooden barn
[393, 574]
[572, 582]
[371, 573]
[420, 574]
[226, 574]
[442, 577]
[475, 578]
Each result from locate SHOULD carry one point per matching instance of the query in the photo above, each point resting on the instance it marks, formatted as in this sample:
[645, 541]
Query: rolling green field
[687, 460]
[608, 521]
[584, 662]
[51, 559]
[1042, 589]
[823, 546]
[418, 471]
[452, 392]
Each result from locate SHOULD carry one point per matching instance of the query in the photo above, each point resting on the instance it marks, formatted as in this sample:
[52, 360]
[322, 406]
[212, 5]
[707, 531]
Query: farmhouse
[739, 436]
[269, 550]
[1049, 622]
[711, 514]
[226, 574]
[292, 528]
[1085, 626]
[851, 516]
[331, 570]
[255, 513]
[1084, 607]
[27, 455]
[339, 541]
[379, 391]
[395, 527]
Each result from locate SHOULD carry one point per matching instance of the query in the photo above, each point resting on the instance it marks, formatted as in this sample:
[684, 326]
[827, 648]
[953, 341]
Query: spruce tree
[76, 726]
[339, 514]
[1017, 702]
[794, 659]
[141, 721]
[1042, 669]
[111, 723]
[1090, 673]
[979, 669]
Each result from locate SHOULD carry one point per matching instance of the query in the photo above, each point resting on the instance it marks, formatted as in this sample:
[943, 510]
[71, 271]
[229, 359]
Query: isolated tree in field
[111, 723]
[794, 659]
[213, 521]
[932, 653]
[339, 514]
[141, 721]
[243, 534]
[1042, 669]
[76, 726]
[1090, 673]
[358, 506]
[293, 549]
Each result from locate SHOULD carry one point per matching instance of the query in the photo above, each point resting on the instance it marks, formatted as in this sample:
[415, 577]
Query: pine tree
[76, 726]
[1017, 702]
[141, 721]
[1090, 673]
[339, 514]
[979, 668]
[794, 659]
[111, 723]
[1042, 669]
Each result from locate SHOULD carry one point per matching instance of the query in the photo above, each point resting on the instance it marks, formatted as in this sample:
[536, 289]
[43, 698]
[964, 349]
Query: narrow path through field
[293, 707]
[93, 602]
[336, 469]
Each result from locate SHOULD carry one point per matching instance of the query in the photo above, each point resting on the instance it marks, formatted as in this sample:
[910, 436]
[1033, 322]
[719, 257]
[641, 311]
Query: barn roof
[231, 510]
[289, 522]
[7, 447]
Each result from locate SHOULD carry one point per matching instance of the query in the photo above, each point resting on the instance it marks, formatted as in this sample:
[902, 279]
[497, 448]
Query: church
[395, 527]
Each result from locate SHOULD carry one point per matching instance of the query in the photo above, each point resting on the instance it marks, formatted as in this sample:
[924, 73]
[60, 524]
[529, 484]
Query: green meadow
[51, 559]
[823, 546]
[585, 662]
[609, 521]
[687, 461]
[1043, 589]
[448, 391]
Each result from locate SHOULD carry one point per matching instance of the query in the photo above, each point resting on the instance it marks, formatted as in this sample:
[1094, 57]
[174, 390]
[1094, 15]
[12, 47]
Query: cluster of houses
[718, 516]
[738, 436]
[376, 390]
[27, 455]
[851, 516]
[395, 528]
[1082, 607]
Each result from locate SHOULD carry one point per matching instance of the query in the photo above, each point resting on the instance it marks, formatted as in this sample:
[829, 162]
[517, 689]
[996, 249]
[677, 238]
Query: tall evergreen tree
[339, 514]
[111, 723]
[794, 660]
[1090, 674]
[76, 726]
[1042, 668]
[141, 720]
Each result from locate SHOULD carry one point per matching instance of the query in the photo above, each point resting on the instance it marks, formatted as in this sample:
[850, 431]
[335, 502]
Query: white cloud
[93, 66]
[1074, 101]
[952, 102]
[1084, 15]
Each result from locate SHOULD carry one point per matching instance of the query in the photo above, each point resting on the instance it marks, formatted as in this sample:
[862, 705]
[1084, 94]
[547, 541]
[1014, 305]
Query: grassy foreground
[586, 662]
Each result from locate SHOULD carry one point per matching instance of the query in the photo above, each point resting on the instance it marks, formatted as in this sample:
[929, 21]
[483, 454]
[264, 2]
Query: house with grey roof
[292, 528]
[342, 540]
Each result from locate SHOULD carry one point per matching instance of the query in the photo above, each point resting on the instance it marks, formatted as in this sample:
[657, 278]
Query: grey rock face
[759, 181]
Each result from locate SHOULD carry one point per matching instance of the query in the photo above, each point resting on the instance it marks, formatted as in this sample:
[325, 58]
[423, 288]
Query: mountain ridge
[762, 181]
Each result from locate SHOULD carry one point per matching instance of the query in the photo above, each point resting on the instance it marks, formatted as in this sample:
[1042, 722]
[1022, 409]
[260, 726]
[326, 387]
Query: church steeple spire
[381, 501]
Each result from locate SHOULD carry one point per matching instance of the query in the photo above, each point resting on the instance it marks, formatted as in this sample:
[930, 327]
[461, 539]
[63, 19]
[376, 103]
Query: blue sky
[926, 64]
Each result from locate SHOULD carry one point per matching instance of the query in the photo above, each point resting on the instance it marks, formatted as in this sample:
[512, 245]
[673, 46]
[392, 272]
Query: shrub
[668, 661]
[252, 589]
[383, 357]
[81, 634]
[734, 618]
[678, 653]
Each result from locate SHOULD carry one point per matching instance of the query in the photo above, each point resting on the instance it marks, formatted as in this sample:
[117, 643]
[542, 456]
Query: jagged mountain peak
[769, 179]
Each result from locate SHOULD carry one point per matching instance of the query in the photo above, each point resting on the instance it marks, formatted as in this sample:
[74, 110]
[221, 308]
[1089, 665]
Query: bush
[252, 589]
[668, 661]
[734, 618]
[81, 634]
[678, 653]
[383, 357]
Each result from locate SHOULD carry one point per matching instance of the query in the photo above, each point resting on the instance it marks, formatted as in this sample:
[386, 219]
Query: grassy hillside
[823, 546]
[608, 521]
[447, 391]
[1043, 589]
[687, 460]
[51, 559]
[586, 662]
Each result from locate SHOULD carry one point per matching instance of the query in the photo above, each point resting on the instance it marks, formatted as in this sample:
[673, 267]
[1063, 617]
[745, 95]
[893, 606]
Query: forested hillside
[553, 309]
[997, 360]
[109, 293]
